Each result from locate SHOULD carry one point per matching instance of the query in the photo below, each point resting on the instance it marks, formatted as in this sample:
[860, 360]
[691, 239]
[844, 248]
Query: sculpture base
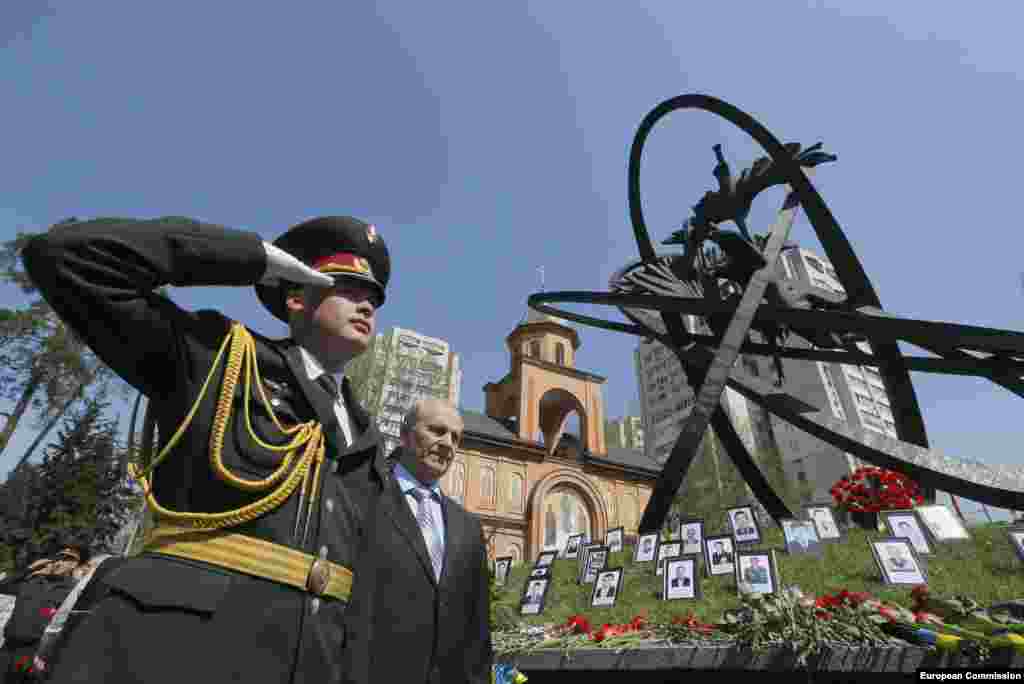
[865, 520]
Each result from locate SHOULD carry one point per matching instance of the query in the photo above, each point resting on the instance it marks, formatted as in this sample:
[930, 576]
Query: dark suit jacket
[167, 619]
[406, 626]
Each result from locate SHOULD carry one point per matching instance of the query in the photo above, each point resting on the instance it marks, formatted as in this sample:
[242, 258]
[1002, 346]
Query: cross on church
[540, 270]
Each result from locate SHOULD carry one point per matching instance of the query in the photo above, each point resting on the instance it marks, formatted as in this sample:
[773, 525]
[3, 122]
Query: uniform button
[275, 402]
[314, 606]
[323, 552]
[330, 505]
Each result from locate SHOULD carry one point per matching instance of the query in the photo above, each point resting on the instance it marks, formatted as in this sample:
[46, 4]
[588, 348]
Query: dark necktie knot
[329, 385]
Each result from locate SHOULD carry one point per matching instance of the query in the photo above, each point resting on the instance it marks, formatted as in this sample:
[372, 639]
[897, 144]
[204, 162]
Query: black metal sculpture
[735, 290]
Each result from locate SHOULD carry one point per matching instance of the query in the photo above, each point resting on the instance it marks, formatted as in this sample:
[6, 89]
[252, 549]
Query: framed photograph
[646, 547]
[541, 573]
[801, 537]
[596, 561]
[572, 546]
[606, 588]
[545, 559]
[824, 519]
[756, 572]
[501, 567]
[897, 561]
[942, 524]
[719, 554]
[533, 597]
[613, 540]
[582, 559]
[744, 525]
[906, 524]
[1016, 535]
[681, 579]
[691, 532]
[668, 549]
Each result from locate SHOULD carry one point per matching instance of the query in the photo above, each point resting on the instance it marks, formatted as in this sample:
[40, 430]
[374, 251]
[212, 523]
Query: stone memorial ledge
[774, 657]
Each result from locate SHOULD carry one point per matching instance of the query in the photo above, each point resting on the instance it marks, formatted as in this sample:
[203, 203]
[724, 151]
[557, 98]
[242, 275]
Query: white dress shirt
[315, 369]
[406, 483]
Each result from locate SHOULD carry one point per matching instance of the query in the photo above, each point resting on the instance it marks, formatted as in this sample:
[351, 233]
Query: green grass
[984, 568]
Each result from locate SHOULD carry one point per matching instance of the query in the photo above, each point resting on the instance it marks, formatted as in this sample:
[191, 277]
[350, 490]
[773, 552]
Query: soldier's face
[340, 319]
[434, 439]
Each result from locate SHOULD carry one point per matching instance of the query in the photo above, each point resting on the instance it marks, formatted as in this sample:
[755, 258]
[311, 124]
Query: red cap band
[343, 262]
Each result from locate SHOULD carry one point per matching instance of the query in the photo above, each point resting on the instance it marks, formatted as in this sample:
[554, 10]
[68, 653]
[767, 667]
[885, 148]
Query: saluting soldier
[267, 465]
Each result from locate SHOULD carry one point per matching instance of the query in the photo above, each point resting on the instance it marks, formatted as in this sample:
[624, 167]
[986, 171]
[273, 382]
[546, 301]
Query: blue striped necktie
[431, 535]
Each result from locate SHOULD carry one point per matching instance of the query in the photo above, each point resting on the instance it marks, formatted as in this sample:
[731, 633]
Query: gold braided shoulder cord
[309, 435]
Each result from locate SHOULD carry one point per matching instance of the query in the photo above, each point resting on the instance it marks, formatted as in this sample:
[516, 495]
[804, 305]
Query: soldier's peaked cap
[340, 246]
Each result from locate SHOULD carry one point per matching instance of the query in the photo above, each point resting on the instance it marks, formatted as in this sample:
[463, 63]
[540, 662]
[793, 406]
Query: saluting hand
[283, 266]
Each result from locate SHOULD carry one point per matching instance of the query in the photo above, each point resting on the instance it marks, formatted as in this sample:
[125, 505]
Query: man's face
[647, 545]
[680, 572]
[433, 440]
[340, 319]
[741, 518]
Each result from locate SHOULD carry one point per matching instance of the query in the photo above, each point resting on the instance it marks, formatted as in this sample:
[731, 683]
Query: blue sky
[487, 139]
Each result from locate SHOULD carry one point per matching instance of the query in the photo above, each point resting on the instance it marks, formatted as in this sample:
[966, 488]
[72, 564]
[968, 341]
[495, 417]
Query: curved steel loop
[999, 371]
[1002, 486]
[860, 292]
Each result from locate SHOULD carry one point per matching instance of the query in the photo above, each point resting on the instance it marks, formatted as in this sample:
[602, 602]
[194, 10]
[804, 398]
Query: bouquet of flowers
[870, 490]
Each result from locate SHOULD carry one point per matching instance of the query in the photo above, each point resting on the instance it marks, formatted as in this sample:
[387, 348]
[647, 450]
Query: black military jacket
[99, 276]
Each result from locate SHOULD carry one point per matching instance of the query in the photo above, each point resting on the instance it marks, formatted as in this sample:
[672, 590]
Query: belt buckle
[319, 576]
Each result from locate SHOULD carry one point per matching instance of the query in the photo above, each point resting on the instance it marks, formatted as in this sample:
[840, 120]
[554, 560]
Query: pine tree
[79, 496]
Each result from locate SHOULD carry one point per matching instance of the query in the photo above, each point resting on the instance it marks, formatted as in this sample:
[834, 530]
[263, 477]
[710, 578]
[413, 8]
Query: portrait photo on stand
[906, 524]
[545, 558]
[691, 532]
[1016, 536]
[756, 572]
[646, 548]
[681, 580]
[573, 545]
[501, 568]
[744, 525]
[942, 524]
[597, 559]
[801, 537]
[607, 587]
[581, 560]
[824, 519]
[533, 597]
[613, 540]
[897, 561]
[668, 549]
[719, 554]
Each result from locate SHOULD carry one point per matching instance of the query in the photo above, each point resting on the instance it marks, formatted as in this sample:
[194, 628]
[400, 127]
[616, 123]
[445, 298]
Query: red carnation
[578, 624]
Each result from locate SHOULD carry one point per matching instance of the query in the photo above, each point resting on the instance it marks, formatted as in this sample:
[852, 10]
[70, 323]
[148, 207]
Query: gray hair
[412, 416]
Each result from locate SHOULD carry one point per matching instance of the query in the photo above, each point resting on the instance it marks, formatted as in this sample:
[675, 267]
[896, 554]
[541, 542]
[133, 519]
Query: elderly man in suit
[421, 589]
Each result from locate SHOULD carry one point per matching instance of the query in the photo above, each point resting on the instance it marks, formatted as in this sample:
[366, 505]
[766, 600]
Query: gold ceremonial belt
[255, 557]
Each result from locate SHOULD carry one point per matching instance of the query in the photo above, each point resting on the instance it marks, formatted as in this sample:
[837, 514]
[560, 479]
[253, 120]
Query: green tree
[79, 495]
[44, 366]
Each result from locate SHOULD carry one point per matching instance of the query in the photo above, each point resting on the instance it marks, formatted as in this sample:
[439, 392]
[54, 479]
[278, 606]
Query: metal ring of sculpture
[739, 292]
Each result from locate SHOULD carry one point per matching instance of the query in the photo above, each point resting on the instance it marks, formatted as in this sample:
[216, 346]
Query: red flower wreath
[871, 490]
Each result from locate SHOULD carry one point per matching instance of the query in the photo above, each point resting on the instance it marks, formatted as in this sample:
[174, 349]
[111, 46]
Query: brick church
[531, 484]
